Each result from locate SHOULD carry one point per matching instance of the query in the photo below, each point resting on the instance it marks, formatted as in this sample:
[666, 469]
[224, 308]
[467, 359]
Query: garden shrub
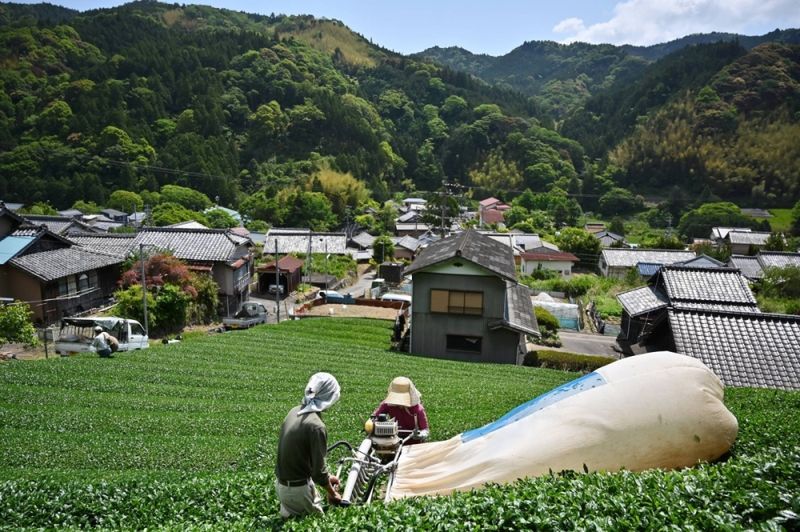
[16, 324]
[565, 361]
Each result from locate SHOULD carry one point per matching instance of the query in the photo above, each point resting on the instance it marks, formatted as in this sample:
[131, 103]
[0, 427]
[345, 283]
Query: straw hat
[402, 392]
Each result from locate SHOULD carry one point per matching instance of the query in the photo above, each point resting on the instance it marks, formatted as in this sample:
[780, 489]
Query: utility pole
[277, 285]
[144, 289]
[326, 263]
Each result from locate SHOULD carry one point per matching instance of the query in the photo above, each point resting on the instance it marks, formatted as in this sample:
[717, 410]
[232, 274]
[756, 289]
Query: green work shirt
[302, 446]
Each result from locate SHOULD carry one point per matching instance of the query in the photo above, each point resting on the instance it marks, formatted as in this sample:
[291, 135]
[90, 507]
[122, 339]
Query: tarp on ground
[657, 410]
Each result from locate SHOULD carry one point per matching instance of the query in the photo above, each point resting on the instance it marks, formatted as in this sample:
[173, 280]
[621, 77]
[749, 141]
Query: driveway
[587, 344]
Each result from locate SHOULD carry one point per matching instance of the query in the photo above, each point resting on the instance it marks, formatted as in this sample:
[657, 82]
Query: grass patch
[184, 436]
[781, 220]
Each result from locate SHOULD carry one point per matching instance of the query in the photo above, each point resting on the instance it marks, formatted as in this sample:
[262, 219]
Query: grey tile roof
[749, 266]
[642, 300]
[628, 258]
[412, 227]
[702, 261]
[715, 307]
[364, 239]
[298, 240]
[408, 242]
[777, 259]
[216, 245]
[472, 246]
[748, 237]
[719, 233]
[56, 224]
[722, 285]
[58, 263]
[758, 350]
[519, 311]
[120, 245]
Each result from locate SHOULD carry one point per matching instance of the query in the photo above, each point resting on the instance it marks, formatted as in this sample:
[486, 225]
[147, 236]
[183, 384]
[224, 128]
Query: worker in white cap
[302, 446]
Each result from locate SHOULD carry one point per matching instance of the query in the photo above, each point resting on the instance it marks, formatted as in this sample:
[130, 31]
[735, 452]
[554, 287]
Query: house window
[63, 288]
[457, 342]
[83, 282]
[73, 286]
[457, 302]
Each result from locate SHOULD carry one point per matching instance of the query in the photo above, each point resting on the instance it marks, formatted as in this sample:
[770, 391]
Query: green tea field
[184, 436]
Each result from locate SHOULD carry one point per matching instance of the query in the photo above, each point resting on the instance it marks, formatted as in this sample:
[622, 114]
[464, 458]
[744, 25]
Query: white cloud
[570, 25]
[645, 22]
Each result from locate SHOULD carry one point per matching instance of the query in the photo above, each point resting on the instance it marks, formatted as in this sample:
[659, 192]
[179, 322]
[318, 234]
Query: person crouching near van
[403, 404]
[102, 342]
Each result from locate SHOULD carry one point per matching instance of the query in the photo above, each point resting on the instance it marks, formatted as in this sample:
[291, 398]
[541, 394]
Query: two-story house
[467, 304]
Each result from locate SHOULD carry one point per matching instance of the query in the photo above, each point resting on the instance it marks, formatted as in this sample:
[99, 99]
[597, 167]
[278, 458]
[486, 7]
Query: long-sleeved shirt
[408, 417]
[302, 446]
[100, 341]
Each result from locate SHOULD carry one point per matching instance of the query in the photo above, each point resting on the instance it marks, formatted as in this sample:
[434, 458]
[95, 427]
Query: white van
[393, 296]
[76, 334]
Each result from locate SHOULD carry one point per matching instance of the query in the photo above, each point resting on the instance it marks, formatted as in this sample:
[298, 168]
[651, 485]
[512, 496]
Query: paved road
[588, 344]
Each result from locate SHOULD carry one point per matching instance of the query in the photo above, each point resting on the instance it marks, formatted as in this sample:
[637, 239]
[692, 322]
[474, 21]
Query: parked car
[249, 315]
[276, 289]
[393, 296]
[332, 296]
[76, 334]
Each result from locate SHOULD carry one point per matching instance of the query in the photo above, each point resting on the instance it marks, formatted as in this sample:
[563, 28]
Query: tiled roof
[56, 224]
[287, 263]
[758, 350]
[58, 263]
[628, 258]
[642, 300]
[364, 239]
[749, 266]
[408, 242]
[120, 245]
[488, 201]
[748, 237]
[472, 246]
[217, 245]
[409, 216]
[702, 261]
[719, 233]
[547, 255]
[519, 311]
[723, 285]
[715, 307]
[777, 259]
[299, 240]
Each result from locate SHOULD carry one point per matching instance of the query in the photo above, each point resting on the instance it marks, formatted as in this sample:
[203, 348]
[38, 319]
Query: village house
[560, 262]
[719, 234]
[617, 262]
[289, 275]
[711, 314]
[405, 248]
[54, 276]
[610, 240]
[753, 267]
[467, 302]
[490, 212]
[746, 242]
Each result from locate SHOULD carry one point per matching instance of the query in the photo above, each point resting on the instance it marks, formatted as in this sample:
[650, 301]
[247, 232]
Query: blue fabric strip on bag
[587, 382]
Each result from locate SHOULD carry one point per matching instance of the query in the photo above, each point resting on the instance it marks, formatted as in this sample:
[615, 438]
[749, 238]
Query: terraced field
[184, 436]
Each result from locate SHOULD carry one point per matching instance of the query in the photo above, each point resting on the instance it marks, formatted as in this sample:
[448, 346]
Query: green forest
[299, 121]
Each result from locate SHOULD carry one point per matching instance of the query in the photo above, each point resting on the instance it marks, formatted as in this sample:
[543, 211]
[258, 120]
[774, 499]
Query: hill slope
[184, 436]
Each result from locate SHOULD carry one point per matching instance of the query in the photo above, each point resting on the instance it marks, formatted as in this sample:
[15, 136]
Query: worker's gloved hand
[333, 480]
[334, 498]
[421, 434]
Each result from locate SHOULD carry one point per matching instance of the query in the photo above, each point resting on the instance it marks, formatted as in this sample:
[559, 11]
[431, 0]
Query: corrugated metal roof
[11, 245]
[758, 350]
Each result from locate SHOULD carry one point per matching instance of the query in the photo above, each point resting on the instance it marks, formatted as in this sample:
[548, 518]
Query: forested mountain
[241, 107]
[300, 121]
[563, 76]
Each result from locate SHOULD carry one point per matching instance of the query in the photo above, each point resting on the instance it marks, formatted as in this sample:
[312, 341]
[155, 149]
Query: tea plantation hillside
[184, 436]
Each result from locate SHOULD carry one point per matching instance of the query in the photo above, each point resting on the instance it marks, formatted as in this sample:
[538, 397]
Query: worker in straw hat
[403, 404]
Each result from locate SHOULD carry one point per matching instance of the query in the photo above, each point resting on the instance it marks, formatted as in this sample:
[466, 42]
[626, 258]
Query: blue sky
[498, 26]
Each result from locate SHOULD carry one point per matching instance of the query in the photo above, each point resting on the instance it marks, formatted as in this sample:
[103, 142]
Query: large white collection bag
[657, 410]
